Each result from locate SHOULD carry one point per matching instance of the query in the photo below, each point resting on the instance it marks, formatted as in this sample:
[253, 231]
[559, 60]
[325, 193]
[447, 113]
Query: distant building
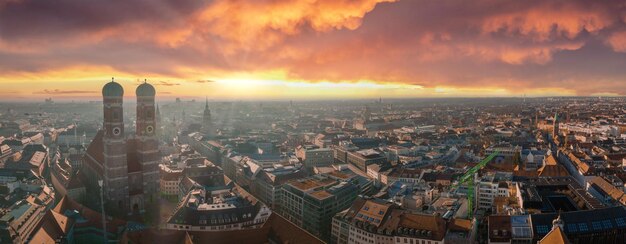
[222, 209]
[579, 169]
[313, 156]
[606, 192]
[533, 159]
[341, 151]
[275, 230]
[268, 185]
[33, 157]
[168, 181]
[14, 179]
[20, 222]
[54, 227]
[605, 225]
[381, 222]
[312, 202]
[207, 124]
[66, 182]
[362, 158]
[490, 187]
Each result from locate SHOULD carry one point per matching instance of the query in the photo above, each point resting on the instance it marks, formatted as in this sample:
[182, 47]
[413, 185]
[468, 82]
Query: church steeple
[206, 118]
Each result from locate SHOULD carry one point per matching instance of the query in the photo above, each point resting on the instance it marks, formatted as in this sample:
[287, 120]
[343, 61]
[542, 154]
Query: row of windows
[221, 227]
[412, 241]
[169, 188]
[169, 183]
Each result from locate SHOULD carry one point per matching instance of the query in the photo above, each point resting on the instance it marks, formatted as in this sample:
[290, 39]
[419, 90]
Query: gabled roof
[276, 228]
[435, 224]
[95, 151]
[75, 182]
[460, 225]
[607, 188]
[499, 228]
[92, 217]
[555, 236]
[550, 170]
[52, 227]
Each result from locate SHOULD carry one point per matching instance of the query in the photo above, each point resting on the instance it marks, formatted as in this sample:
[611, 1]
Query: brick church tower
[114, 146]
[146, 139]
[128, 164]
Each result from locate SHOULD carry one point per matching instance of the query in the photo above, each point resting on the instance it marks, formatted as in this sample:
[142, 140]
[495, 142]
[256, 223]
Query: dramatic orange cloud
[617, 41]
[550, 19]
[316, 48]
[245, 21]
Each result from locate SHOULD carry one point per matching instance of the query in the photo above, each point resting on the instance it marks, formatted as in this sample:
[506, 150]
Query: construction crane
[468, 180]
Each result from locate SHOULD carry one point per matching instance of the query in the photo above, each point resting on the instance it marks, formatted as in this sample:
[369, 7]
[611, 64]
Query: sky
[313, 49]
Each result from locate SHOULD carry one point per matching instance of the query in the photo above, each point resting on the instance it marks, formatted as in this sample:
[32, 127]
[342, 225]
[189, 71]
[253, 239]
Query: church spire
[206, 118]
[207, 111]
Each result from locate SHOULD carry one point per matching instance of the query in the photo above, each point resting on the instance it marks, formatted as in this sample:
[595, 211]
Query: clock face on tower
[117, 131]
[149, 129]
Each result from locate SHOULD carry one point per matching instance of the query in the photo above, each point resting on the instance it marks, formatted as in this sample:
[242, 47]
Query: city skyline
[314, 49]
[460, 170]
[313, 121]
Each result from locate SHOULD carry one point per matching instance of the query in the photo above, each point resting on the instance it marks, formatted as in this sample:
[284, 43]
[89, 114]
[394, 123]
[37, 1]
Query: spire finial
[112, 79]
[145, 81]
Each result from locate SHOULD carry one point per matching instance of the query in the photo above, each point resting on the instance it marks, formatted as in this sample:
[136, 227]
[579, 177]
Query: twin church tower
[127, 164]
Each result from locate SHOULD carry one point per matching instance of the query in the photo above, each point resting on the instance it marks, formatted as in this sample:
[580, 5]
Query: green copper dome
[112, 89]
[145, 90]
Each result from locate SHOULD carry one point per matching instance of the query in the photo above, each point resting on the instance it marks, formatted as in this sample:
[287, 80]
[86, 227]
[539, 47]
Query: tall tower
[556, 128]
[147, 142]
[114, 165]
[206, 119]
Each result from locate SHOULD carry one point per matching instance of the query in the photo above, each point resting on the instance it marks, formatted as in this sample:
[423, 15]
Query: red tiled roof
[424, 222]
[75, 182]
[555, 236]
[276, 228]
[52, 227]
[94, 218]
[95, 150]
[498, 224]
